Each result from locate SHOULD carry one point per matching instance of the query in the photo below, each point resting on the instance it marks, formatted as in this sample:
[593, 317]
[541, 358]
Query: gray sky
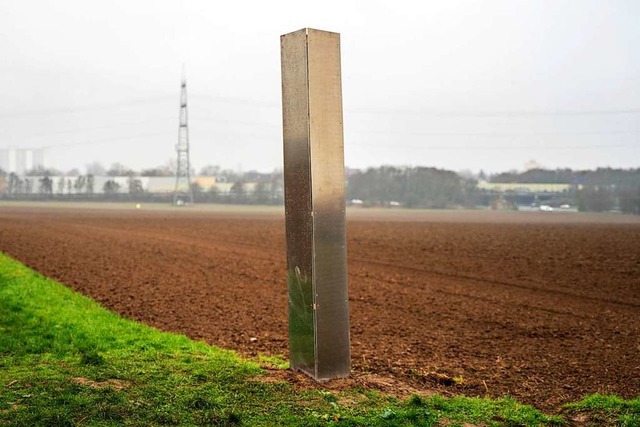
[453, 84]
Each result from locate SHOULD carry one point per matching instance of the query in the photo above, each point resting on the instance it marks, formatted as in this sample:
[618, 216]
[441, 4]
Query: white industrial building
[21, 160]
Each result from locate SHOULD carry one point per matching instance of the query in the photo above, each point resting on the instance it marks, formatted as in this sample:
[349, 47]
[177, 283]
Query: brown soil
[546, 310]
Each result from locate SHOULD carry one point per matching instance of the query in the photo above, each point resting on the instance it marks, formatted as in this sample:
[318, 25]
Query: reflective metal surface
[314, 203]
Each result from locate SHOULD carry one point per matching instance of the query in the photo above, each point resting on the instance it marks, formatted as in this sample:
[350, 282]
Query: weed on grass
[275, 361]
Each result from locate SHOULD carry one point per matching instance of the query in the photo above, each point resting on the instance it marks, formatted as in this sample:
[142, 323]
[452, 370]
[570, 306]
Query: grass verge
[66, 361]
[598, 410]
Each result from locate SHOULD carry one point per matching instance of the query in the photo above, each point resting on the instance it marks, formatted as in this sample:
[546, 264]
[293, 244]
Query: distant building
[512, 194]
[21, 160]
[517, 187]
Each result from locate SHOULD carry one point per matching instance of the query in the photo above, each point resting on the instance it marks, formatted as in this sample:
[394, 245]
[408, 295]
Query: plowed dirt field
[541, 306]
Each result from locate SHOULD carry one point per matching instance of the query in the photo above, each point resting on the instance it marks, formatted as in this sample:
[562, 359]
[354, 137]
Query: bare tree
[46, 186]
[61, 185]
[118, 169]
[135, 186]
[28, 186]
[13, 184]
[110, 187]
[96, 169]
[40, 170]
[80, 183]
[158, 171]
[210, 170]
[90, 184]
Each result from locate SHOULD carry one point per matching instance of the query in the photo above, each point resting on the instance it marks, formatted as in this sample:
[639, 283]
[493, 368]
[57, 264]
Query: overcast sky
[473, 85]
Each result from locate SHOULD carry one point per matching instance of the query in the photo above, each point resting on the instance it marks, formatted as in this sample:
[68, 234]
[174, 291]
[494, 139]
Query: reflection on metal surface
[301, 336]
[314, 203]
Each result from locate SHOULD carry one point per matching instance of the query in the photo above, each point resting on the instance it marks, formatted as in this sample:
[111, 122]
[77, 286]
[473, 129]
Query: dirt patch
[111, 383]
[546, 311]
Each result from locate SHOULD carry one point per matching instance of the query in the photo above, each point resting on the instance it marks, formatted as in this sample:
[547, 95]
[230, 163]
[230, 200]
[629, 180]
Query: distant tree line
[599, 190]
[19, 187]
[538, 176]
[121, 183]
[417, 187]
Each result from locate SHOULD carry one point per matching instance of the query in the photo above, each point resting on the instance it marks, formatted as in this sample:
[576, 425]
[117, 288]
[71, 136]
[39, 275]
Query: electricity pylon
[182, 193]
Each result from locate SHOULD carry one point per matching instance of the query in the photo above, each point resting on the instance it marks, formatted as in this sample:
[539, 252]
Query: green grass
[66, 361]
[606, 410]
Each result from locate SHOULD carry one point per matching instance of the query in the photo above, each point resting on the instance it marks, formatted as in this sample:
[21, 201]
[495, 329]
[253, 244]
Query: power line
[203, 119]
[358, 110]
[101, 141]
[254, 136]
[90, 129]
[514, 113]
[140, 122]
[356, 131]
[81, 109]
[502, 134]
[502, 147]
[235, 100]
